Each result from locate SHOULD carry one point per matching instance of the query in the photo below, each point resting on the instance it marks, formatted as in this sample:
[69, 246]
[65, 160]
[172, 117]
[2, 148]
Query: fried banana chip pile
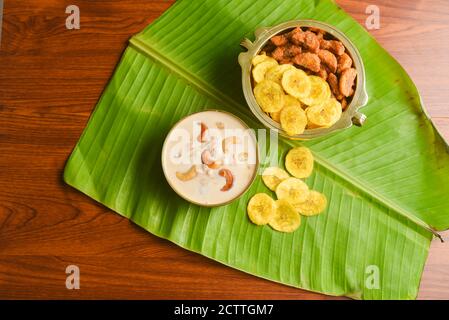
[292, 98]
[304, 79]
[294, 199]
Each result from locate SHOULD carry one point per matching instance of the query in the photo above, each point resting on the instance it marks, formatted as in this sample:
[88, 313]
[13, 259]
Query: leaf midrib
[224, 99]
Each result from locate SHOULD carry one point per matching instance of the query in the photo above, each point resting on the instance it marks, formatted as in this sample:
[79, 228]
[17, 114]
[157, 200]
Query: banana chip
[293, 120]
[276, 116]
[275, 73]
[272, 176]
[269, 96]
[296, 83]
[291, 101]
[286, 218]
[315, 204]
[288, 101]
[319, 92]
[293, 190]
[261, 58]
[260, 69]
[324, 115]
[299, 162]
[261, 208]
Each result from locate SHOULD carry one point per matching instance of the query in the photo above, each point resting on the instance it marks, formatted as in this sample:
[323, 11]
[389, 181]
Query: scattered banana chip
[293, 120]
[293, 190]
[296, 83]
[319, 92]
[272, 176]
[269, 96]
[293, 195]
[299, 162]
[260, 69]
[315, 204]
[275, 73]
[324, 115]
[286, 218]
[261, 58]
[261, 208]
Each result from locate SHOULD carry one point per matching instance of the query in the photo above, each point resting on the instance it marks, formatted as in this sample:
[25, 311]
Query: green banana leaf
[387, 183]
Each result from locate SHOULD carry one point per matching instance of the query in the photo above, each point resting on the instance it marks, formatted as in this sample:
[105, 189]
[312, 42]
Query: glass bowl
[349, 117]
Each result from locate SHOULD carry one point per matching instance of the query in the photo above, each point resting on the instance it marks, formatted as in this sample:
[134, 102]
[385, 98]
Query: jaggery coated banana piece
[347, 81]
[291, 51]
[333, 83]
[351, 92]
[308, 60]
[328, 59]
[333, 46]
[297, 36]
[344, 104]
[278, 53]
[269, 47]
[322, 73]
[311, 42]
[280, 40]
[286, 61]
[285, 53]
[307, 39]
[344, 62]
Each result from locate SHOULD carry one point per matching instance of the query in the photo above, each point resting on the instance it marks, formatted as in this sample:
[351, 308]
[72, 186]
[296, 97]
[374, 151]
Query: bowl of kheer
[303, 78]
[210, 158]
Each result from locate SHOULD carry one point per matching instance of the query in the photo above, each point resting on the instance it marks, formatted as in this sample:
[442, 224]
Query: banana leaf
[387, 183]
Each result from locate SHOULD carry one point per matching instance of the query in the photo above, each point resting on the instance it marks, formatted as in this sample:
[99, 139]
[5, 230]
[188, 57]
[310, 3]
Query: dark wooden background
[50, 80]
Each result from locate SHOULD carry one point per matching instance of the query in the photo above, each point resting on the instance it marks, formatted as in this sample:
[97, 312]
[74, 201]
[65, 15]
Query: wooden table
[50, 80]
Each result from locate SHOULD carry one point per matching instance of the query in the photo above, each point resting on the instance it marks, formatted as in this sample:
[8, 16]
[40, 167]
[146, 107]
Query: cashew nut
[201, 136]
[227, 174]
[206, 158]
[188, 175]
[227, 141]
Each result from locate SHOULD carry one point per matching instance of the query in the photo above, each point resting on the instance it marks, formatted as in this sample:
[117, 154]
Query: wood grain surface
[50, 80]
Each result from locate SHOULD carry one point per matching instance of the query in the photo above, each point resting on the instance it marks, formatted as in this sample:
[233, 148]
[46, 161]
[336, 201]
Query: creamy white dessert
[210, 158]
